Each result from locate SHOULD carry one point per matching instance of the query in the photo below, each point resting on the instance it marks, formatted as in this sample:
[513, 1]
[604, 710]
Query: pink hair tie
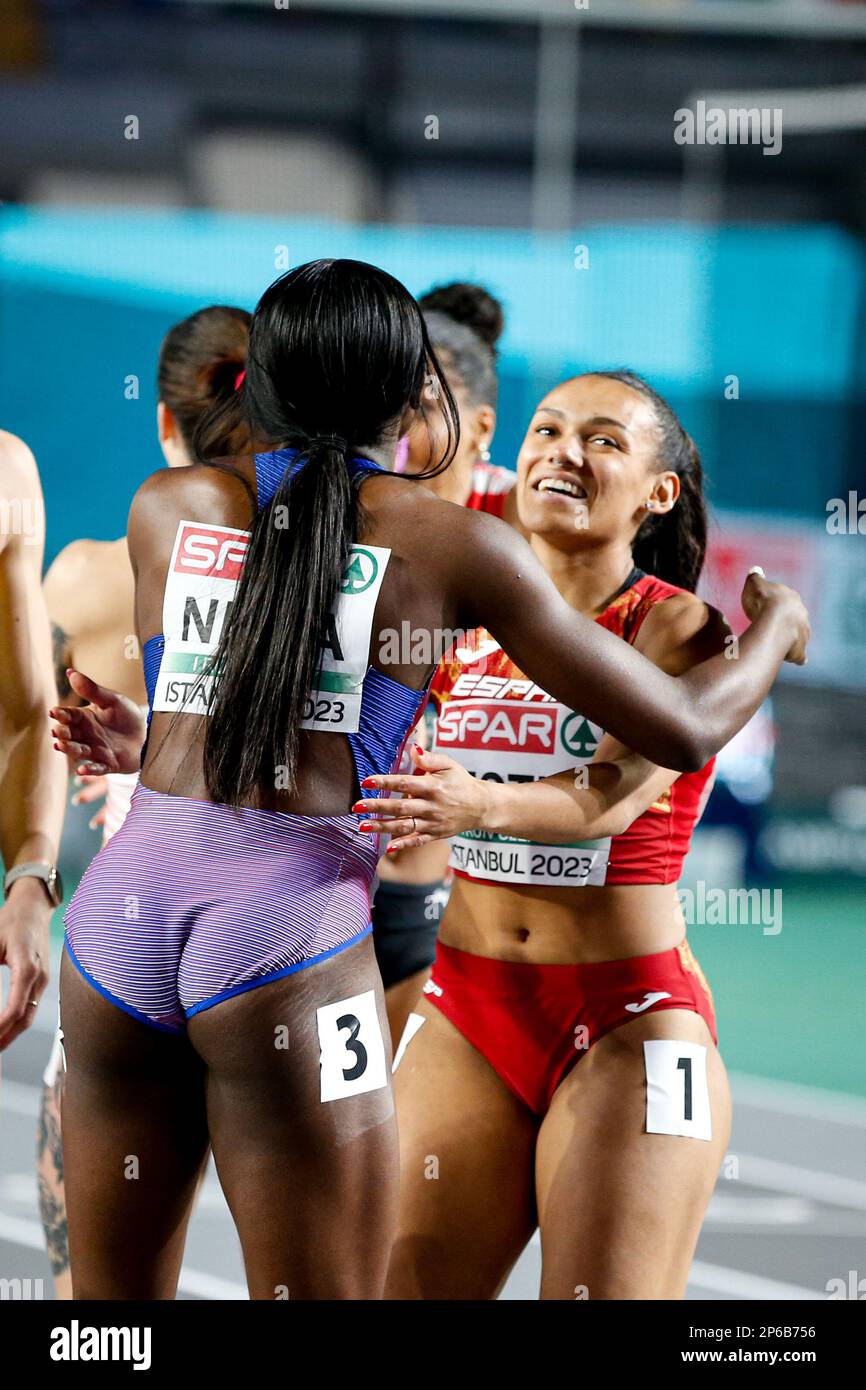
[239, 380]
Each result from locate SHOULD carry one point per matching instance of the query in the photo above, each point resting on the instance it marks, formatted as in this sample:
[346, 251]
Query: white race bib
[201, 584]
[352, 1050]
[677, 1092]
[507, 729]
[504, 860]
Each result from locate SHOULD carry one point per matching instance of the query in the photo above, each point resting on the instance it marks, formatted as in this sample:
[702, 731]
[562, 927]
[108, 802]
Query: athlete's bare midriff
[550, 926]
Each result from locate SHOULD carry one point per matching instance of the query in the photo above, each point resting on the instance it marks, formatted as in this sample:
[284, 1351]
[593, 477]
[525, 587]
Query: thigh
[620, 1209]
[466, 1149]
[134, 1140]
[306, 1150]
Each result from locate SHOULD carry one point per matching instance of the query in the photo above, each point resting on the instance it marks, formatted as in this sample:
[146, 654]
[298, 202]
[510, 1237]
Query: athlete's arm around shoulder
[681, 632]
[676, 721]
[619, 784]
[603, 800]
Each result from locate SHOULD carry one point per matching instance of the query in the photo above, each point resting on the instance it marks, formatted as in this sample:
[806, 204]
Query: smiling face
[589, 464]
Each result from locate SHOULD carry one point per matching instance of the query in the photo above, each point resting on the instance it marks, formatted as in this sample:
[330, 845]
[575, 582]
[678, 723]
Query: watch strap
[34, 869]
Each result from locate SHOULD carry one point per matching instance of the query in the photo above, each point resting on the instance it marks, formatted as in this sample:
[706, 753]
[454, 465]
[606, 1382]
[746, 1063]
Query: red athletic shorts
[534, 1022]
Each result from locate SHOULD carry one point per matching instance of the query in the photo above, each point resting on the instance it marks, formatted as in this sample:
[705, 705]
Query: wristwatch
[48, 873]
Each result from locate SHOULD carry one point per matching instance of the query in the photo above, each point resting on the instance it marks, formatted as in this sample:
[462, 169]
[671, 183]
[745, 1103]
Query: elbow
[617, 819]
[612, 825]
[690, 751]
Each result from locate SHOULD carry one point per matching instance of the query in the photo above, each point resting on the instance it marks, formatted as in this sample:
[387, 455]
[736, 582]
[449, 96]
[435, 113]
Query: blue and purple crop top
[388, 709]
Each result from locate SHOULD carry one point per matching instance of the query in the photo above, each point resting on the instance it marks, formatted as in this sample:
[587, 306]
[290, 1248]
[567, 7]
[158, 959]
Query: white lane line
[739, 1284]
[823, 1187]
[792, 1098]
[29, 1234]
[727, 1209]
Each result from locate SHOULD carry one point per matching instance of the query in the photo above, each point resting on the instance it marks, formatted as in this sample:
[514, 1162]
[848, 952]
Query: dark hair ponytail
[199, 362]
[338, 350]
[672, 545]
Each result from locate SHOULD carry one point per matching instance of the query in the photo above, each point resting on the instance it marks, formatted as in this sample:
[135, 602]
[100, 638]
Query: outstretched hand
[443, 801]
[104, 735]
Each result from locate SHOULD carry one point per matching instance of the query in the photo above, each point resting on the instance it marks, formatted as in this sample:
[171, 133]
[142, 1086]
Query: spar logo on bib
[211, 550]
[362, 571]
[504, 728]
[578, 737]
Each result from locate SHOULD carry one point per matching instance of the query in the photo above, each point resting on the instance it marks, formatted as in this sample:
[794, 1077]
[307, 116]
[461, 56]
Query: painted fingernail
[418, 748]
[368, 782]
[359, 806]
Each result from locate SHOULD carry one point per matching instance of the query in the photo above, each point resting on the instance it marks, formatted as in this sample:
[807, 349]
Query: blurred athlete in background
[90, 594]
[32, 792]
[465, 322]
